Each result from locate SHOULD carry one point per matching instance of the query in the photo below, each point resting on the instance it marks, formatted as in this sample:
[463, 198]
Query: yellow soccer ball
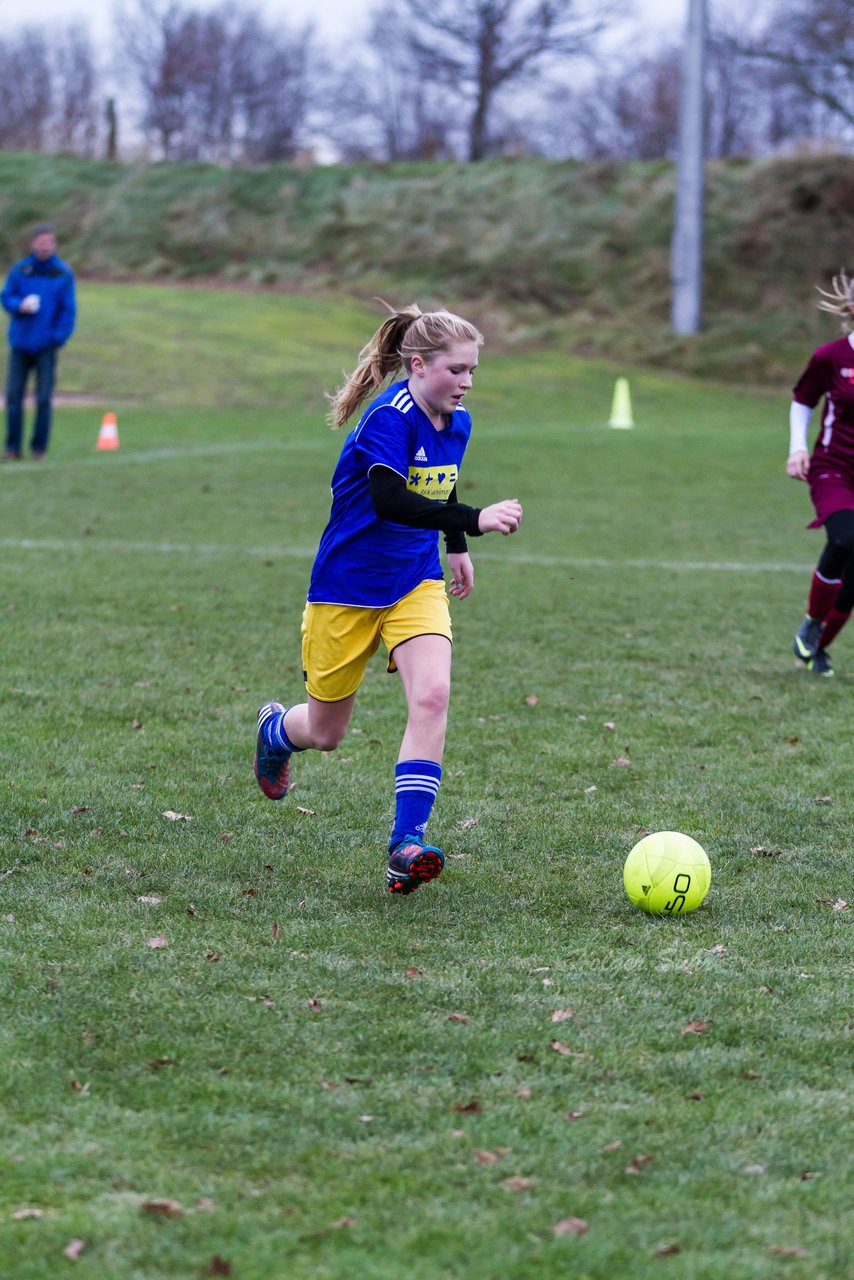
[667, 874]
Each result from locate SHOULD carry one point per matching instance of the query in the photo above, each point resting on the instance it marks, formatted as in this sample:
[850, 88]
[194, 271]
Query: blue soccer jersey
[364, 560]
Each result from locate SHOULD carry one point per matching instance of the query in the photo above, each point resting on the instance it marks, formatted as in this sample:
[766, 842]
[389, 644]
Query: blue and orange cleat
[272, 768]
[412, 863]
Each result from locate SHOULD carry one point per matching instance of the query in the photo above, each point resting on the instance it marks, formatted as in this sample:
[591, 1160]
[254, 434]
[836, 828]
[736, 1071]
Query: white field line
[114, 545]
[120, 456]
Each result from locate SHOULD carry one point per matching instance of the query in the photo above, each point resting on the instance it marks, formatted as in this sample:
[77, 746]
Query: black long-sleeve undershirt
[392, 500]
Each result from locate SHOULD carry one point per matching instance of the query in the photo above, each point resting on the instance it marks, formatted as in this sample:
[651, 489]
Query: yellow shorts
[338, 639]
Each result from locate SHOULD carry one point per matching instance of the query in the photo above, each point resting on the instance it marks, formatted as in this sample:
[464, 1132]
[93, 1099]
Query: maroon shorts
[830, 491]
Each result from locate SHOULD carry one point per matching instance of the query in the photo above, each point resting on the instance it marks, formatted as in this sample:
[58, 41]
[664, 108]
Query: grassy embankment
[574, 255]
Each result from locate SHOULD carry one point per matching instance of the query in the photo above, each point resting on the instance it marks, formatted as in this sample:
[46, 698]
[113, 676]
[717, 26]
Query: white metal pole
[687, 251]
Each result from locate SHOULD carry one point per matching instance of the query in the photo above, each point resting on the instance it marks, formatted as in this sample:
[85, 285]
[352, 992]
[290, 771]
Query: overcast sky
[331, 18]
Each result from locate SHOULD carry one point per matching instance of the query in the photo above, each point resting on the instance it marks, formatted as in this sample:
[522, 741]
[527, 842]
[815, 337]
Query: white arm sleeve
[799, 421]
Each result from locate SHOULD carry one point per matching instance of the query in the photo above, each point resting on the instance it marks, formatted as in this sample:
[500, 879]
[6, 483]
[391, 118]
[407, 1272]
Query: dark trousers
[21, 364]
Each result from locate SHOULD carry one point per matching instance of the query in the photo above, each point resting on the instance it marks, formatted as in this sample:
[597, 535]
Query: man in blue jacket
[39, 296]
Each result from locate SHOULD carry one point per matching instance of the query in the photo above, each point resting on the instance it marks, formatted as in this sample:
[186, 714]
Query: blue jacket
[53, 324]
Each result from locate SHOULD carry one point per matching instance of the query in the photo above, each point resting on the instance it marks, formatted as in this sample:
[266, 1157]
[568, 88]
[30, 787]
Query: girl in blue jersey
[377, 574]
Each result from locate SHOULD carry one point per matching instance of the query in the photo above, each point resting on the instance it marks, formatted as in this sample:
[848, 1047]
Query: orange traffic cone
[108, 436]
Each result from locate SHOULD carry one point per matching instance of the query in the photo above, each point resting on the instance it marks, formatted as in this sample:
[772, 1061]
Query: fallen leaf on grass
[639, 1162]
[74, 1248]
[157, 1063]
[695, 1027]
[588, 791]
[414, 972]
[312, 813]
[469, 1108]
[485, 1157]
[149, 899]
[695, 1097]
[838, 904]
[218, 1266]
[717, 950]
[79, 1087]
[613, 1146]
[79, 808]
[274, 929]
[341, 1223]
[823, 800]
[609, 724]
[572, 1115]
[532, 700]
[176, 817]
[516, 1183]
[812, 1173]
[314, 1005]
[789, 1251]
[565, 1051]
[620, 762]
[754, 1168]
[28, 1211]
[136, 724]
[747, 1074]
[569, 1227]
[667, 1250]
[157, 942]
[458, 1017]
[466, 824]
[191, 910]
[766, 852]
[560, 1015]
[161, 1205]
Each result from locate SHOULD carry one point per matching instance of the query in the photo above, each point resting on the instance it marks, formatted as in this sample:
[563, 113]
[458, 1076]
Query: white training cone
[621, 407]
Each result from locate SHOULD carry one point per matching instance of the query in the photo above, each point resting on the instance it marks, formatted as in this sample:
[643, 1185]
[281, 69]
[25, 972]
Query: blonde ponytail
[839, 300]
[405, 333]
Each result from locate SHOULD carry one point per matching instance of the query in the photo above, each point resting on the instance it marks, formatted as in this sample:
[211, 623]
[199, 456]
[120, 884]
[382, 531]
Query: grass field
[307, 1079]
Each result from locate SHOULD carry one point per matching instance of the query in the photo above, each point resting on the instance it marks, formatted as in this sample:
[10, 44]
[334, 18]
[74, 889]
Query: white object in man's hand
[31, 303]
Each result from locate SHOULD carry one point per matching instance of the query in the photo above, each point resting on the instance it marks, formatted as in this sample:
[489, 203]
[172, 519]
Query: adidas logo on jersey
[421, 456]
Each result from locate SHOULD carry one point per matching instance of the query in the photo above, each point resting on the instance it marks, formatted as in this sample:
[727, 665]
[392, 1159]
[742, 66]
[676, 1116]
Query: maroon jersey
[830, 373]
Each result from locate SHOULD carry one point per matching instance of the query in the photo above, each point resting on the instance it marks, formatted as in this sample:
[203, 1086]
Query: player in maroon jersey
[829, 472]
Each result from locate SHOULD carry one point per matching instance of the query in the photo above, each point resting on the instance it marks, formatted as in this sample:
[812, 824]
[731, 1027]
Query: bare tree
[73, 90]
[633, 113]
[481, 49]
[629, 116]
[216, 84]
[389, 107]
[25, 90]
[811, 47]
[271, 78]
